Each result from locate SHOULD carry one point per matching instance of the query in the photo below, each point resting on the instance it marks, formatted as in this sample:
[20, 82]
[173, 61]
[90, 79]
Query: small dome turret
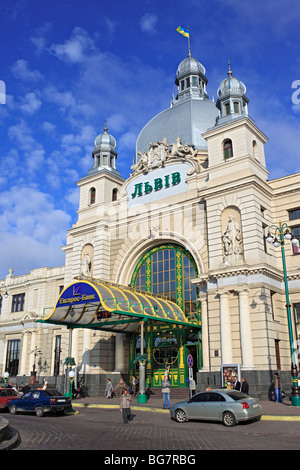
[232, 101]
[104, 153]
[105, 139]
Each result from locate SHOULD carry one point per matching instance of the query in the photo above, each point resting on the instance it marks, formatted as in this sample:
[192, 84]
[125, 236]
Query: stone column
[204, 328]
[226, 342]
[119, 353]
[246, 331]
[86, 351]
[23, 370]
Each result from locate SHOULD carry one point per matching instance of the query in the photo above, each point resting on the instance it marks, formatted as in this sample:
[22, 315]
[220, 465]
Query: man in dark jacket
[245, 386]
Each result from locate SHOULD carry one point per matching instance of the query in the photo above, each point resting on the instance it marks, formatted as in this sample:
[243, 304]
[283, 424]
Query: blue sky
[69, 64]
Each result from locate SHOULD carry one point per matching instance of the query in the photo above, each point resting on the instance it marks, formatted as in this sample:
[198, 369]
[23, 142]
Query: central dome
[190, 115]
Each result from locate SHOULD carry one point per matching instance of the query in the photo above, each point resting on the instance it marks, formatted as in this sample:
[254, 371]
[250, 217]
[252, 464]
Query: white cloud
[74, 49]
[148, 22]
[49, 127]
[22, 135]
[21, 71]
[32, 229]
[30, 103]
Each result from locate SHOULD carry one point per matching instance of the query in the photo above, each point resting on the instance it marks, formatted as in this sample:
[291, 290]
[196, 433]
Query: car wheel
[228, 419]
[39, 411]
[180, 416]
[13, 410]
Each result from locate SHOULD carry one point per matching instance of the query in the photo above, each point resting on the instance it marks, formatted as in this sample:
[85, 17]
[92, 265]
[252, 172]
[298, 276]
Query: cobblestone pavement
[99, 426]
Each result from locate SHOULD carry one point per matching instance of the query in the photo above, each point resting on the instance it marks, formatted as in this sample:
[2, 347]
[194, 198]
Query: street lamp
[71, 377]
[280, 234]
[5, 376]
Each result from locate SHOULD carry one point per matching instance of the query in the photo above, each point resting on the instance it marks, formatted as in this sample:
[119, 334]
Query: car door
[214, 405]
[196, 406]
[34, 400]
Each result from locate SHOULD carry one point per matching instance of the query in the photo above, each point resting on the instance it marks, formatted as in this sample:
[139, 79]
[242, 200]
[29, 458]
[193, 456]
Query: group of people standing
[243, 387]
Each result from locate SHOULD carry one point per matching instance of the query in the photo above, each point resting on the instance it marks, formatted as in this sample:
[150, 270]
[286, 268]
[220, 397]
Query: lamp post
[142, 359]
[281, 233]
[5, 375]
[71, 377]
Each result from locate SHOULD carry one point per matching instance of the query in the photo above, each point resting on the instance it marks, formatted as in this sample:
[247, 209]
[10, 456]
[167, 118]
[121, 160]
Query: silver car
[228, 406]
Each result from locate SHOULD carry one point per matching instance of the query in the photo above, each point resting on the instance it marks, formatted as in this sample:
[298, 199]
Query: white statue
[86, 265]
[232, 238]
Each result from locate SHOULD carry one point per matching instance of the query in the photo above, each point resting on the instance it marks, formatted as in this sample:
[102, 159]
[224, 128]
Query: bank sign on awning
[96, 304]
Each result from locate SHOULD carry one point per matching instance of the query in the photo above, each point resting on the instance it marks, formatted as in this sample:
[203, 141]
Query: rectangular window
[57, 352]
[227, 109]
[297, 312]
[236, 107]
[18, 301]
[273, 304]
[296, 233]
[12, 357]
[294, 214]
[194, 81]
[277, 354]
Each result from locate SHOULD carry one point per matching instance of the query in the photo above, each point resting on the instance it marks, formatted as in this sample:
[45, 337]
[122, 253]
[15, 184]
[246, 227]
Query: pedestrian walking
[109, 389]
[121, 385]
[245, 386]
[277, 388]
[134, 385]
[125, 406]
[165, 388]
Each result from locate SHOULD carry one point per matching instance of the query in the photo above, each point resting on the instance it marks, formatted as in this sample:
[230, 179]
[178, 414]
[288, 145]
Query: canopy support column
[142, 396]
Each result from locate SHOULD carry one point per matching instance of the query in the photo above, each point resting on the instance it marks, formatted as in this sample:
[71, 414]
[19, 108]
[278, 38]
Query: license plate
[62, 400]
[256, 405]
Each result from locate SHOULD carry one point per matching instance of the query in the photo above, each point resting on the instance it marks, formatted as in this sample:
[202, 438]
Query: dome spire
[229, 73]
[232, 101]
[105, 126]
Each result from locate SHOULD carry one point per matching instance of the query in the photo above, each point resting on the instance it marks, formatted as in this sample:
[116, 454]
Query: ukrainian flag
[185, 32]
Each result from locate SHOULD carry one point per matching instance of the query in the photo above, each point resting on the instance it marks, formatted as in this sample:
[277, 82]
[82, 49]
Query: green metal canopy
[97, 304]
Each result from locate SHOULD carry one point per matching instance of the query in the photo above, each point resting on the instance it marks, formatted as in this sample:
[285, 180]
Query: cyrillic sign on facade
[158, 184]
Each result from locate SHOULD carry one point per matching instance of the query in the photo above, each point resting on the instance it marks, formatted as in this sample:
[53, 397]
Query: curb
[159, 410]
[12, 442]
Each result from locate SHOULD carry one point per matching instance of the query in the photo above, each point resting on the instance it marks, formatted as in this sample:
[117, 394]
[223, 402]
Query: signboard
[78, 293]
[158, 184]
[190, 360]
[229, 373]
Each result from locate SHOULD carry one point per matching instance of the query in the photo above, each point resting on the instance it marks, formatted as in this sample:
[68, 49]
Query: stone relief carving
[154, 231]
[232, 242]
[160, 153]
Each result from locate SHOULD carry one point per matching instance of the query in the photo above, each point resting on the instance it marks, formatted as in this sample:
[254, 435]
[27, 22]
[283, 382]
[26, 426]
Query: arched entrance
[167, 270]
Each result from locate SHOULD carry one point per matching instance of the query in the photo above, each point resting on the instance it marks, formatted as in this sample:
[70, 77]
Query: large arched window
[167, 270]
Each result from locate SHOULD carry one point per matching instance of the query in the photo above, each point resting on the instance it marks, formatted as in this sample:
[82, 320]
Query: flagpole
[189, 44]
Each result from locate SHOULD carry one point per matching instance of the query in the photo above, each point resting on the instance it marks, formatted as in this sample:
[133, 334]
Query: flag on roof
[184, 31]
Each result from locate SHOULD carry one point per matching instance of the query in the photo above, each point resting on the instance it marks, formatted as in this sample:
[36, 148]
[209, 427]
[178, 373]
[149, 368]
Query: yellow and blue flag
[185, 32]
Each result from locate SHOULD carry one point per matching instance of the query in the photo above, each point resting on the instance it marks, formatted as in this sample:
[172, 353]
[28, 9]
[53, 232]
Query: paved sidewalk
[271, 410]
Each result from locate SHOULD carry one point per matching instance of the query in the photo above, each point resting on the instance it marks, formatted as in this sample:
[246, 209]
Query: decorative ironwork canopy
[97, 304]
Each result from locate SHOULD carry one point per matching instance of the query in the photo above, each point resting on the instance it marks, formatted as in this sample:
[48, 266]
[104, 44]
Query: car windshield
[52, 393]
[235, 395]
